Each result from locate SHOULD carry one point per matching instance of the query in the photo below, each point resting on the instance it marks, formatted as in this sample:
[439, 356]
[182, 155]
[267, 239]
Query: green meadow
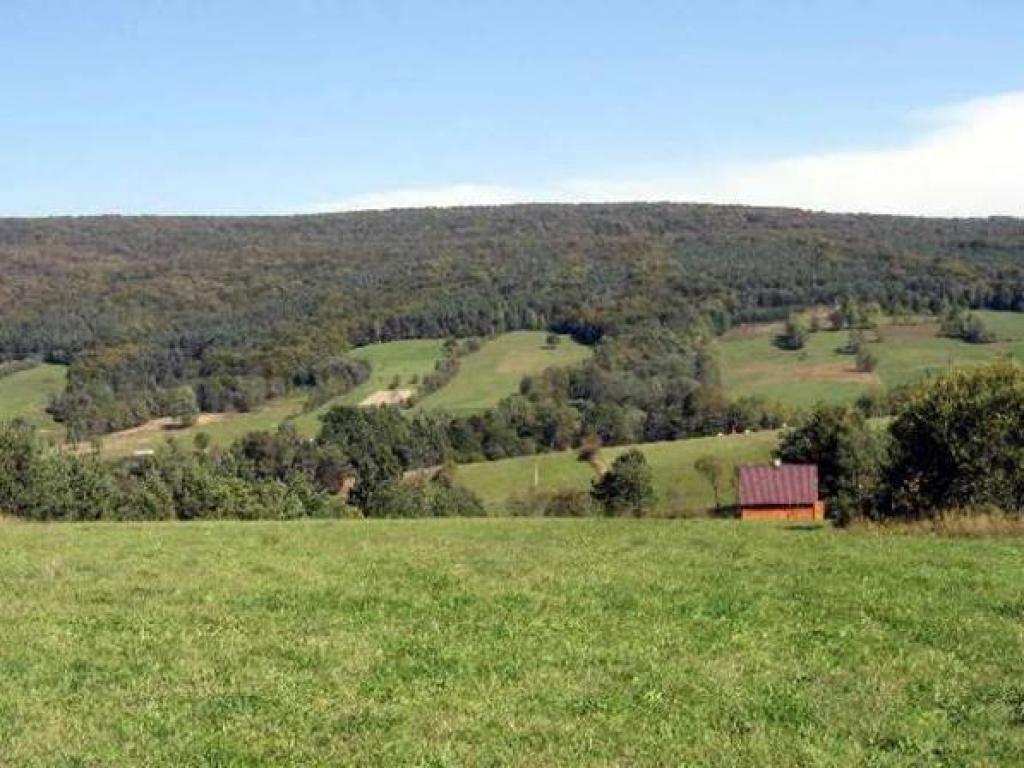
[507, 642]
[25, 395]
[222, 428]
[751, 364]
[677, 484]
[406, 360]
[488, 376]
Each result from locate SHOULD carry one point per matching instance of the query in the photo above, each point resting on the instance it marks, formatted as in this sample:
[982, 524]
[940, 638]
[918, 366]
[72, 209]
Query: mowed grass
[676, 483]
[752, 365]
[507, 642]
[493, 373]
[25, 395]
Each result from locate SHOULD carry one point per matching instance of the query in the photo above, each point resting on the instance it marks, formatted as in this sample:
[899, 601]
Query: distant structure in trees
[780, 492]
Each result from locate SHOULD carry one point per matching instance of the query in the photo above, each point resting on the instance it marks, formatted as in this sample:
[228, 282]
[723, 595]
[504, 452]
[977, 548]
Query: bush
[422, 499]
[958, 443]
[866, 361]
[717, 472]
[569, 504]
[794, 334]
[627, 488]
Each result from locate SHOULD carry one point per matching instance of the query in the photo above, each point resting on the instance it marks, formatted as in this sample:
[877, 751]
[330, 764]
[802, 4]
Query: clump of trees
[851, 313]
[966, 326]
[41, 483]
[849, 454]
[627, 488]
[958, 442]
[794, 333]
[955, 443]
[421, 498]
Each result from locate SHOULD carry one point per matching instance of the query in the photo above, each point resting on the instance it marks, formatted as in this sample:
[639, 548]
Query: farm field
[494, 373]
[507, 642]
[676, 483]
[752, 365]
[25, 395]
[404, 359]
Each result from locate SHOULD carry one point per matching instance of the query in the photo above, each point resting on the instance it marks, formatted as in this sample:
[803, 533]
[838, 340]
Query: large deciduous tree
[959, 442]
[849, 455]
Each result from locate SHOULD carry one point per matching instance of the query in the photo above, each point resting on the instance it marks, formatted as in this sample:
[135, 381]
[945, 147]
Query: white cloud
[968, 162]
[455, 194]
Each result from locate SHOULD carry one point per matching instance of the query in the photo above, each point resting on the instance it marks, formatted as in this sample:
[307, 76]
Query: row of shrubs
[16, 366]
[39, 482]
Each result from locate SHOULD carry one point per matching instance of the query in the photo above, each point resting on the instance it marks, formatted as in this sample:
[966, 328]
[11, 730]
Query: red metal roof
[778, 485]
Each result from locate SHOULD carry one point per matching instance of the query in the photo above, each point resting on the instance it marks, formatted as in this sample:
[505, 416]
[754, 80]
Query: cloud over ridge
[969, 161]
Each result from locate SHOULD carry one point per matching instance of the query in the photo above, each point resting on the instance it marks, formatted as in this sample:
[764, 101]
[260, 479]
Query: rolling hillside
[751, 364]
[485, 377]
[240, 309]
[25, 394]
[676, 483]
[493, 373]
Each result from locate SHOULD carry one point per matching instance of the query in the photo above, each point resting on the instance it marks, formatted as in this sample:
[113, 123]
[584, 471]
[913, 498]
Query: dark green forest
[243, 309]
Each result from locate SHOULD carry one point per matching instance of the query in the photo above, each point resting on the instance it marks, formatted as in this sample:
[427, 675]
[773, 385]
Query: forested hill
[242, 309]
[71, 283]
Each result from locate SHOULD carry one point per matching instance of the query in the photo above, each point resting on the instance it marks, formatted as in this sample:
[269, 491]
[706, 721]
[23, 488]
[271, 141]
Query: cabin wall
[807, 513]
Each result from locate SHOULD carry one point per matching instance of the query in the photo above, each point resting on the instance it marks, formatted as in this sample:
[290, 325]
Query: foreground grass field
[492, 374]
[507, 642]
[25, 395]
[676, 483]
[752, 365]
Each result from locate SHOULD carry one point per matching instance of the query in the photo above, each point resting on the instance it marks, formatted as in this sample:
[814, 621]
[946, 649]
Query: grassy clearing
[752, 365]
[507, 642]
[676, 482]
[223, 428]
[25, 395]
[494, 373]
[405, 359]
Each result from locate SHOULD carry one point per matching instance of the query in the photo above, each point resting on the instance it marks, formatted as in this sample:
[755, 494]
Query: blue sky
[237, 107]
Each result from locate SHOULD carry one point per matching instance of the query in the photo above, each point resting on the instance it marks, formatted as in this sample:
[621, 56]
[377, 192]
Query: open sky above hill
[236, 107]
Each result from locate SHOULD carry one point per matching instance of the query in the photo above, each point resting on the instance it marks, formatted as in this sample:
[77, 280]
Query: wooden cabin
[780, 492]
